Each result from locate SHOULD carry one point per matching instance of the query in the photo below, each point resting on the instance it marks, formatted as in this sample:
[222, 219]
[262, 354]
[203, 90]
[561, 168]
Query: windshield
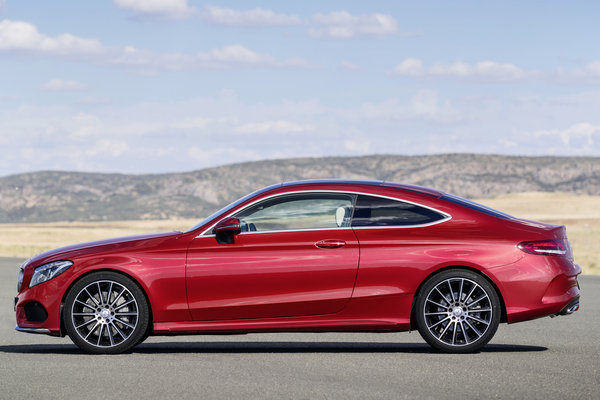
[231, 206]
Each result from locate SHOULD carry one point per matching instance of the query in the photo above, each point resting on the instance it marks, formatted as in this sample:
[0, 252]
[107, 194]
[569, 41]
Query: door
[296, 255]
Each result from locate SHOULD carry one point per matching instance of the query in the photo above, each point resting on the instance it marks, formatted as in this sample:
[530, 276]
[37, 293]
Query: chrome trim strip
[447, 216]
[344, 228]
[43, 331]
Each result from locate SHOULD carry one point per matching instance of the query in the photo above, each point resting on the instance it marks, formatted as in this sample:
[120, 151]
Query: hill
[75, 196]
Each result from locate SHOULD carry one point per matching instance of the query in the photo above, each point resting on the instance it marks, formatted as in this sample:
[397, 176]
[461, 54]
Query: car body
[332, 255]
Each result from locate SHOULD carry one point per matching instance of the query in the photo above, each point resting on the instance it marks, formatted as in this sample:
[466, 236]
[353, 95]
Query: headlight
[20, 279]
[48, 271]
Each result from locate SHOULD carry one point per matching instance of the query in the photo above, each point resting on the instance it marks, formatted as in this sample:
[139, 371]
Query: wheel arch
[503, 317]
[63, 330]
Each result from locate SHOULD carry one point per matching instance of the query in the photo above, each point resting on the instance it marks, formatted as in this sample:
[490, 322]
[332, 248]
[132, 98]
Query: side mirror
[226, 229]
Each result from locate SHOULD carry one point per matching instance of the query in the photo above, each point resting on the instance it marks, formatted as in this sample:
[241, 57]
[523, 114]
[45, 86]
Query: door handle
[330, 244]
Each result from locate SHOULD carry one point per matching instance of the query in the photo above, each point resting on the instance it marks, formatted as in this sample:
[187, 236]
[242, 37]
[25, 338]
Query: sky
[153, 86]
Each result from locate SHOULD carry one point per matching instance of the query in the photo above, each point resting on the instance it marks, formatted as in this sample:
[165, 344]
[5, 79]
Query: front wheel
[106, 313]
[457, 311]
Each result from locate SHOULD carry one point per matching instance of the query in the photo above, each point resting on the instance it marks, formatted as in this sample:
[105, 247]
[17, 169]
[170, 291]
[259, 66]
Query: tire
[106, 313]
[457, 311]
[143, 338]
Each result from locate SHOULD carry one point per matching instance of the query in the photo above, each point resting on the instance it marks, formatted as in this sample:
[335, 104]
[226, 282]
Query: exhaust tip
[570, 308]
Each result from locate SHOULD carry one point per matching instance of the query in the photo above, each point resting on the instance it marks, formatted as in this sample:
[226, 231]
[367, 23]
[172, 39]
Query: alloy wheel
[105, 313]
[458, 311]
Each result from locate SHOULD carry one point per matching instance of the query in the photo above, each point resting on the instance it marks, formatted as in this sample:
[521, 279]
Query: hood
[104, 245]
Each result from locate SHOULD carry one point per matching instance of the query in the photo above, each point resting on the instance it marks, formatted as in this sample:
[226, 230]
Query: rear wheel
[457, 311]
[106, 313]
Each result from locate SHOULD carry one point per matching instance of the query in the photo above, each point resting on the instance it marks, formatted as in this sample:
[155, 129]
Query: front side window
[378, 211]
[298, 211]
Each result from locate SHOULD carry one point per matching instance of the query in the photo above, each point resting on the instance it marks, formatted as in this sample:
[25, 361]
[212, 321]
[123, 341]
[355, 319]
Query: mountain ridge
[48, 196]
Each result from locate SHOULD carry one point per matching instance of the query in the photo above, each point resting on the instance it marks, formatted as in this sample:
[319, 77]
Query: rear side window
[475, 206]
[378, 211]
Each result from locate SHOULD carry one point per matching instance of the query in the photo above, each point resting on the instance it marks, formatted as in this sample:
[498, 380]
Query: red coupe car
[309, 256]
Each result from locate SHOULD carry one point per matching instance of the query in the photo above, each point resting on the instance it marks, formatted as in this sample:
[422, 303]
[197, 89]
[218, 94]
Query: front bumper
[38, 308]
[42, 331]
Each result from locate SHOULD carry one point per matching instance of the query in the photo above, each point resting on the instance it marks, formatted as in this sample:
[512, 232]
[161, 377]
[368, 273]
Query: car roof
[360, 182]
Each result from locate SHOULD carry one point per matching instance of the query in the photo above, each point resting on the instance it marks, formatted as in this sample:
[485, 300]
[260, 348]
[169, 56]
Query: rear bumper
[539, 286]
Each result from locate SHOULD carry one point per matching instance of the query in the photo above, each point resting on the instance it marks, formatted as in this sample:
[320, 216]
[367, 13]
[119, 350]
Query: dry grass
[26, 240]
[580, 214]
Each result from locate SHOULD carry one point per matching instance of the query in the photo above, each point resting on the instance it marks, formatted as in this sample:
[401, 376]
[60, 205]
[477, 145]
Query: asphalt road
[543, 359]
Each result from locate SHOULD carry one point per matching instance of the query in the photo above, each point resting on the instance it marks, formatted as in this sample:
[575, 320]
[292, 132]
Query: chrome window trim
[447, 216]
[342, 228]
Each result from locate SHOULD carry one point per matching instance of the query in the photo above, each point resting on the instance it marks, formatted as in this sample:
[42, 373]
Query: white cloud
[507, 144]
[220, 156]
[424, 105]
[359, 145]
[337, 25]
[172, 9]
[192, 123]
[255, 17]
[495, 71]
[299, 63]
[343, 25]
[83, 126]
[409, 67]
[279, 126]
[227, 57]
[590, 70]
[208, 131]
[236, 54]
[59, 85]
[94, 101]
[482, 70]
[583, 131]
[23, 36]
[109, 147]
[349, 66]
[485, 69]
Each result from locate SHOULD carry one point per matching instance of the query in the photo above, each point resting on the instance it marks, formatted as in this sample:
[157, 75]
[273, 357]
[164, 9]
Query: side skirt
[288, 325]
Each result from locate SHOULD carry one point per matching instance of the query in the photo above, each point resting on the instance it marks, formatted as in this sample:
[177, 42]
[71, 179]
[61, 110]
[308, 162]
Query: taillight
[547, 247]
